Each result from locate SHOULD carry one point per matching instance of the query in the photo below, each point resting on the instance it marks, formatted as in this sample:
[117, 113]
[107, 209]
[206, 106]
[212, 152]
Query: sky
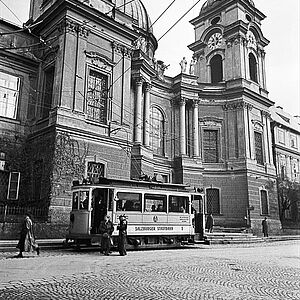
[281, 27]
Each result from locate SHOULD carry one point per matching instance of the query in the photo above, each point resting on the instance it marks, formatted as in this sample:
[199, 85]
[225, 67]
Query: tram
[158, 214]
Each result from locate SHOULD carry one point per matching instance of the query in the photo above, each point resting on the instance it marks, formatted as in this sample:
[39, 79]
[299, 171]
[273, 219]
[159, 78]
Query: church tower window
[259, 148]
[210, 146]
[157, 131]
[216, 66]
[253, 67]
[97, 97]
[48, 91]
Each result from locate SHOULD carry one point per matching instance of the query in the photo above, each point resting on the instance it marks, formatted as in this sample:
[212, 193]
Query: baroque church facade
[89, 99]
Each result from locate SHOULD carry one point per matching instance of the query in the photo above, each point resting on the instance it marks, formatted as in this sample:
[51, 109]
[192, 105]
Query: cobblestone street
[262, 271]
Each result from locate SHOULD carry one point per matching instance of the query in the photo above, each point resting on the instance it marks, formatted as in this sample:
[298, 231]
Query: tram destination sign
[158, 229]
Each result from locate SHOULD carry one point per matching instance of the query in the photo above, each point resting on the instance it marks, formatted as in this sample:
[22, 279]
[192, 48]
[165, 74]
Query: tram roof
[135, 184]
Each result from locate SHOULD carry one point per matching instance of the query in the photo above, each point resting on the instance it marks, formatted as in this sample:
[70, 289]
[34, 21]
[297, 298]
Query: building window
[95, 171]
[9, 95]
[264, 202]
[157, 139]
[2, 161]
[13, 186]
[281, 138]
[97, 97]
[253, 67]
[259, 148]
[216, 66]
[48, 91]
[213, 201]
[294, 141]
[210, 146]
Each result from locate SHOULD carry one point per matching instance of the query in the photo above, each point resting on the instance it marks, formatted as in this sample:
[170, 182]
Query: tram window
[157, 203]
[178, 204]
[75, 200]
[84, 200]
[129, 201]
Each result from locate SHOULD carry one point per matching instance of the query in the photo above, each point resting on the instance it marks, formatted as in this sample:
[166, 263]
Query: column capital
[139, 80]
[182, 101]
[148, 86]
[196, 103]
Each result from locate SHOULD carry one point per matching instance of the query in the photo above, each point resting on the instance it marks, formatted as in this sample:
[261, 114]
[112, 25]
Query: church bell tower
[229, 43]
[234, 117]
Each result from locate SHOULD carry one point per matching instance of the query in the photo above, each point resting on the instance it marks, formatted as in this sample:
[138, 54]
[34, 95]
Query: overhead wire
[178, 20]
[121, 58]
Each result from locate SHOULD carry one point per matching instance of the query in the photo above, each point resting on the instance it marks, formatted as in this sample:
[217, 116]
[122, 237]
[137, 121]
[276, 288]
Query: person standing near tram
[106, 228]
[122, 227]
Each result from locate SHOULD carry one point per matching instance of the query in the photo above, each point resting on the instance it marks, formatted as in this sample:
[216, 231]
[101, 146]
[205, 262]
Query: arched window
[216, 66]
[157, 140]
[213, 201]
[253, 67]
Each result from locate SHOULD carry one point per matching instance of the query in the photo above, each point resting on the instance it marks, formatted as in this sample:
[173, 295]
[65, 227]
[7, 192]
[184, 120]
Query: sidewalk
[52, 244]
[9, 245]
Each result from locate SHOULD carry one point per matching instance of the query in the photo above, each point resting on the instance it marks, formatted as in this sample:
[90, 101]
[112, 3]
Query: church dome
[210, 4]
[137, 11]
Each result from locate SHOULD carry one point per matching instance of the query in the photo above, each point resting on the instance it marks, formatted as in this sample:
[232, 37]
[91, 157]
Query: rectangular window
[97, 97]
[129, 201]
[48, 91]
[259, 148]
[95, 171]
[13, 186]
[178, 204]
[264, 202]
[281, 138]
[294, 141]
[157, 203]
[9, 95]
[210, 146]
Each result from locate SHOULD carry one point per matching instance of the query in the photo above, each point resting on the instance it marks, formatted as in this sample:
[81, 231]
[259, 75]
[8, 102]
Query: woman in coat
[27, 241]
[106, 228]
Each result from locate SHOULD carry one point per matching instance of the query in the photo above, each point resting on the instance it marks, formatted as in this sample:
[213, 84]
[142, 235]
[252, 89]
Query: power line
[11, 11]
[178, 20]
[162, 13]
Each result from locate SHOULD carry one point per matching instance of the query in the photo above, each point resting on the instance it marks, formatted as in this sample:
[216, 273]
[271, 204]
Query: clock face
[251, 40]
[215, 41]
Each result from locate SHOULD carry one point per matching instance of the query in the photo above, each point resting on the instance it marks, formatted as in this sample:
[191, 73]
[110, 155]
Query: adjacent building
[89, 99]
[286, 147]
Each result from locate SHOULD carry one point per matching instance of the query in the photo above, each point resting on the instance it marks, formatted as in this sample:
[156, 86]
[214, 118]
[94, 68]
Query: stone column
[147, 115]
[182, 126]
[196, 128]
[138, 112]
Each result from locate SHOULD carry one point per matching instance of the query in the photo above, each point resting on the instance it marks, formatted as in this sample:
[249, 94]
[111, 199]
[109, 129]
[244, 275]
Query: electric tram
[158, 214]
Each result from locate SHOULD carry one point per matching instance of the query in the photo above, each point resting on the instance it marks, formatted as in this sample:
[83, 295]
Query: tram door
[198, 206]
[99, 208]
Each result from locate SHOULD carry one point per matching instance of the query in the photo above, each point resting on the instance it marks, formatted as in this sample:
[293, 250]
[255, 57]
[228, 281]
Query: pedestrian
[106, 228]
[27, 241]
[122, 227]
[264, 224]
[209, 223]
